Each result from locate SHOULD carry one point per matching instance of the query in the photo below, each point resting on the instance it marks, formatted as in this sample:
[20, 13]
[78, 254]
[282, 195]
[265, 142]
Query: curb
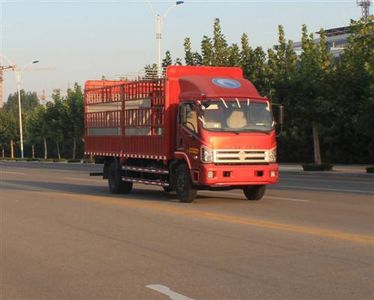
[329, 174]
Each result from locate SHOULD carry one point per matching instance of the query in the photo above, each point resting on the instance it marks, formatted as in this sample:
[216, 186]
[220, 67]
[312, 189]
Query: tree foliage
[57, 126]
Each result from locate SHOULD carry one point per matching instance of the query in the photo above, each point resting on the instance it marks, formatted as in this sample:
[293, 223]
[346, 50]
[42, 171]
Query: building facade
[336, 38]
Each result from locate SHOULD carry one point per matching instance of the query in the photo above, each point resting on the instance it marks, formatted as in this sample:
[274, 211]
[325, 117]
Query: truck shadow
[138, 193]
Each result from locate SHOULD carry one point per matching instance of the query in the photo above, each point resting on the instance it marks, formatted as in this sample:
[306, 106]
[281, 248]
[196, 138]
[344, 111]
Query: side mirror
[281, 114]
[280, 117]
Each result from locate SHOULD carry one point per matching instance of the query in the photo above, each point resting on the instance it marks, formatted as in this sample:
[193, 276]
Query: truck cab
[225, 134]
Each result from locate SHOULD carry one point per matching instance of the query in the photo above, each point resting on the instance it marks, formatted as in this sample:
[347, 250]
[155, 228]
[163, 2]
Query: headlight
[206, 155]
[271, 155]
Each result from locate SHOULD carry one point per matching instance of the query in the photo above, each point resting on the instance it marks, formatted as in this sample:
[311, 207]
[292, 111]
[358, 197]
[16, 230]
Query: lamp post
[159, 22]
[18, 73]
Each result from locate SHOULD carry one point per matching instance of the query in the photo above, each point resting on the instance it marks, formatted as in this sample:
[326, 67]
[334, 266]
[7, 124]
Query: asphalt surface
[63, 236]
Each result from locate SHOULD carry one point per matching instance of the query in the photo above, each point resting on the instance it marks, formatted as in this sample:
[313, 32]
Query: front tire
[254, 192]
[115, 182]
[184, 189]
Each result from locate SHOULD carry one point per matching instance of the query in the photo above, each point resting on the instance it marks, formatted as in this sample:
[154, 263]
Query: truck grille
[239, 156]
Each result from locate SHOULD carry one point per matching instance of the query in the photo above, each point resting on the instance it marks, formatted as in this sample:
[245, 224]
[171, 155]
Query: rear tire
[254, 192]
[184, 189]
[115, 182]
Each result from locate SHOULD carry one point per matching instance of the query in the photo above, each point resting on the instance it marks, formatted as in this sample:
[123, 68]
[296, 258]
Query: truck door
[188, 133]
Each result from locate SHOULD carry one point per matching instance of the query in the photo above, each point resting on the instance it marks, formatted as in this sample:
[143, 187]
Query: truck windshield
[236, 115]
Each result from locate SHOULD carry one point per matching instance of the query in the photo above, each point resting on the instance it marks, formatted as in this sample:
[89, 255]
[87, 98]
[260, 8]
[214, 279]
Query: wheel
[185, 192]
[116, 184]
[254, 192]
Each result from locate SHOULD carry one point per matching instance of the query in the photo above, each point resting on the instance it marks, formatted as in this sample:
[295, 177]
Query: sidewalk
[344, 170]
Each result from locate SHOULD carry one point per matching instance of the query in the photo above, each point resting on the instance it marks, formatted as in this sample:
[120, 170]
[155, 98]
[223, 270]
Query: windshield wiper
[233, 131]
[255, 130]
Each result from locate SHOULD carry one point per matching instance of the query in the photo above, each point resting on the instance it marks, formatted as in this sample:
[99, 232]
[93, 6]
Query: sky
[79, 40]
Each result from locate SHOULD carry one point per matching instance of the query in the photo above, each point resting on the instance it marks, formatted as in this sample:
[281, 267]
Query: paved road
[63, 236]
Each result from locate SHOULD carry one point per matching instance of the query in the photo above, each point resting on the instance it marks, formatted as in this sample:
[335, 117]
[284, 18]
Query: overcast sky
[87, 39]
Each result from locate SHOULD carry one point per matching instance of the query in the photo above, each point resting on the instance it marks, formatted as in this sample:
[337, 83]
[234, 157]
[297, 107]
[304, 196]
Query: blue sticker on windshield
[226, 83]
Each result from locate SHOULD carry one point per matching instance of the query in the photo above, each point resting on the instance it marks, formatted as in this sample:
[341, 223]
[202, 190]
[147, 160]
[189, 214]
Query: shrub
[74, 160]
[315, 167]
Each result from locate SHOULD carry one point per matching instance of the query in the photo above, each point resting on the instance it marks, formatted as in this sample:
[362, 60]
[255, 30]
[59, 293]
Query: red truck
[197, 128]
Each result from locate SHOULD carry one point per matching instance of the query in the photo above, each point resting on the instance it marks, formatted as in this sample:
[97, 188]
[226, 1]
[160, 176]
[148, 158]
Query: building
[336, 38]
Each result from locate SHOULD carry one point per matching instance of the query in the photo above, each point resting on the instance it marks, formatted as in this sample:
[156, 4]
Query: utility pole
[159, 24]
[18, 79]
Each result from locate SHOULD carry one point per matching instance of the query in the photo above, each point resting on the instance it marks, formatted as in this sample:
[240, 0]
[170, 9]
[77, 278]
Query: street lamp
[18, 73]
[159, 20]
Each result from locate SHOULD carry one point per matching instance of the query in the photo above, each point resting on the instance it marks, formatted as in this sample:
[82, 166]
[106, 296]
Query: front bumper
[236, 175]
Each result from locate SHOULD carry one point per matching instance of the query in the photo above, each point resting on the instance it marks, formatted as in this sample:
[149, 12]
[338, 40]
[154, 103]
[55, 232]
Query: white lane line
[309, 179]
[168, 292]
[8, 185]
[279, 198]
[82, 179]
[325, 189]
[270, 197]
[287, 199]
[11, 172]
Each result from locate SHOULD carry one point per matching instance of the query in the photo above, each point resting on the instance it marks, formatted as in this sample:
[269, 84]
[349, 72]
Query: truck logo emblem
[242, 155]
[226, 83]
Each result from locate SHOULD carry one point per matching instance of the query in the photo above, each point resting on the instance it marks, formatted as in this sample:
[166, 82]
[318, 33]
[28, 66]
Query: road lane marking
[224, 218]
[82, 179]
[326, 180]
[287, 199]
[325, 189]
[25, 187]
[270, 197]
[231, 219]
[168, 292]
[11, 172]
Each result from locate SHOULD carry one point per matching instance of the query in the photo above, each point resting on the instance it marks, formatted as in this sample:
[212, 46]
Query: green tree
[234, 56]
[220, 48]
[150, 71]
[36, 129]
[188, 54]
[178, 62]
[8, 132]
[191, 58]
[167, 61]
[312, 77]
[29, 100]
[352, 96]
[246, 55]
[254, 65]
[74, 107]
[55, 118]
[207, 51]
